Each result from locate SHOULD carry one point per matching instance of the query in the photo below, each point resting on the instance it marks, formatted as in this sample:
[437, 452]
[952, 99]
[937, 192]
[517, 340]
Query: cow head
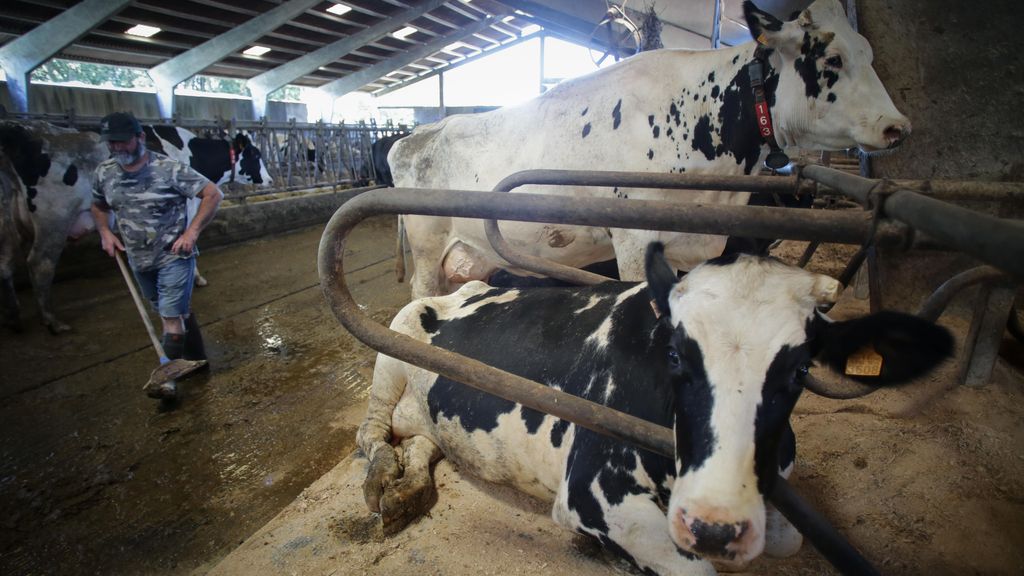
[743, 331]
[828, 95]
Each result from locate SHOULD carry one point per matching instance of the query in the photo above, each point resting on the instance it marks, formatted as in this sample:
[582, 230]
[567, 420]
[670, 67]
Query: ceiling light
[256, 51]
[142, 30]
[508, 18]
[339, 9]
[453, 46]
[401, 34]
[531, 29]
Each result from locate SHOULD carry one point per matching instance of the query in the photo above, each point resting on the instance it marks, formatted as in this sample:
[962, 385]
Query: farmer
[147, 192]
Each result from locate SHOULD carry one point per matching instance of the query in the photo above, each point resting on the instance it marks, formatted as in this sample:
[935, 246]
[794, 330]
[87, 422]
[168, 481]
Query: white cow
[661, 111]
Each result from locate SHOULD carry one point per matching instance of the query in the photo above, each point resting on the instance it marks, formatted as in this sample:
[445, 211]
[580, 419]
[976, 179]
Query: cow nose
[713, 538]
[895, 133]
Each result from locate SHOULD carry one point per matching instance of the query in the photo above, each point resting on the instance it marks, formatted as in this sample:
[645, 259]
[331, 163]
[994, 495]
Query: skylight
[404, 32]
[256, 51]
[142, 30]
[339, 9]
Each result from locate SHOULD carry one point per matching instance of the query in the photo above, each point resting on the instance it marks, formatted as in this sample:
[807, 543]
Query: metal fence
[297, 154]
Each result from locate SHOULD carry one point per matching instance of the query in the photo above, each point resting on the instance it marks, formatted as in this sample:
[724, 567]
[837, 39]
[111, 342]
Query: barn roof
[309, 44]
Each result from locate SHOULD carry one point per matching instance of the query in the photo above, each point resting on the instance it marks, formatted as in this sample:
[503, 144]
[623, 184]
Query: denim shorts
[169, 288]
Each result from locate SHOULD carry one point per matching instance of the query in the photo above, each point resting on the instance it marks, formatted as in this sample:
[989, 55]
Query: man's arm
[109, 241]
[210, 197]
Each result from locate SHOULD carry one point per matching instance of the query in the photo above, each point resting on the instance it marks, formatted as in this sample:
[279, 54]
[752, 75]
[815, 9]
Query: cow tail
[400, 250]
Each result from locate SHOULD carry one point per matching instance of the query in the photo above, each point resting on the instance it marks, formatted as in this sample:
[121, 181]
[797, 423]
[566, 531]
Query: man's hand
[186, 242]
[110, 242]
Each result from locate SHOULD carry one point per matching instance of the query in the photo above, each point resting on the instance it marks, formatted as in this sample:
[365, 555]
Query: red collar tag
[764, 119]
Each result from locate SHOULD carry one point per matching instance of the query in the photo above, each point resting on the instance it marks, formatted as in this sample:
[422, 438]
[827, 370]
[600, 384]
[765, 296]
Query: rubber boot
[174, 347]
[194, 348]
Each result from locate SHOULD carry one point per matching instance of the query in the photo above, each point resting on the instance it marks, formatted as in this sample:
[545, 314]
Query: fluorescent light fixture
[256, 51]
[339, 9]
[531, 29]
[142, 30]
[401, 34]
[508, 18]
[453, 46]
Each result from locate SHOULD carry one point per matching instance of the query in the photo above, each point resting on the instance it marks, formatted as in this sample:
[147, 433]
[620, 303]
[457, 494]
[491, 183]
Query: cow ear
[660, 277]
[884, 348]
[762, 25]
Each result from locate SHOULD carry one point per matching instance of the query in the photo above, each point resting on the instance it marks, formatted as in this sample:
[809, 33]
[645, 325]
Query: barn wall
[955, 69]
[47, 99]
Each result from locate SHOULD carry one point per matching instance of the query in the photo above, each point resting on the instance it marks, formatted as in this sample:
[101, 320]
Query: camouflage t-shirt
[149, 205]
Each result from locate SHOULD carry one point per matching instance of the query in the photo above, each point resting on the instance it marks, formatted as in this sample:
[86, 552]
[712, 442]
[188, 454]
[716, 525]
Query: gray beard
[129, 158]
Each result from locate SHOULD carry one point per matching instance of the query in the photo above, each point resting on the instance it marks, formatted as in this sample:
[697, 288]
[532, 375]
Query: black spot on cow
[831, 77]
[249, 164]
[673, 111]
[715, 91]
[758, 21]
[696, 97]
[71, 175]
[617, 115]
[171, 135]
[831, 97]
[650, 154]
[211, 157]
[152, 141]
[695, 439]
[656, 131]
[812, 50]
[735, 58]
[558, 432]
[668, 132]
[586, 129]
[711, 77]
[702, 138]
[585, 110]
[650, 120]
[738, 123]
[429, 321]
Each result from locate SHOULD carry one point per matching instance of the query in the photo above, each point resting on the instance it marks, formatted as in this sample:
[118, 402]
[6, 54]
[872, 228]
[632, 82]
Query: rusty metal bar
[600, 419]
[995, 241]
[758, 184]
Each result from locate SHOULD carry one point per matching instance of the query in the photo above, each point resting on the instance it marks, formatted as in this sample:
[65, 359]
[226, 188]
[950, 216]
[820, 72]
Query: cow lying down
[721, 363]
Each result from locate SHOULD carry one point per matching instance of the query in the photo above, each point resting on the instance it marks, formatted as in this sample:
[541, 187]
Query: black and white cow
[217, 159]
[659, 111]
[721, 362]
[45, 192]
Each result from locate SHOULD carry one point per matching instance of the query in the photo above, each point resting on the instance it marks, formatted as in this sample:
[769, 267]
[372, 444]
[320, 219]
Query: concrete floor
[99, 479]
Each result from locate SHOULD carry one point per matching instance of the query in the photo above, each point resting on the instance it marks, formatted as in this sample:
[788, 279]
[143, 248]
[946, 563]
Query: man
[147, 192]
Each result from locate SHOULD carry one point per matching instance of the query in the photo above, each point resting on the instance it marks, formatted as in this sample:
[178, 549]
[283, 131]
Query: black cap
[118, 127]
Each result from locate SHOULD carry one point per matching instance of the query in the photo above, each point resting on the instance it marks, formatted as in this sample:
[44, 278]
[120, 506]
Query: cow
[668, 111]
[219, 160]
[719, 356]
[379, 155]
[45, 192]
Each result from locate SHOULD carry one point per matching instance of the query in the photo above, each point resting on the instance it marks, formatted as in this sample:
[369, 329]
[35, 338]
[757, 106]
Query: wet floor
[96, 478]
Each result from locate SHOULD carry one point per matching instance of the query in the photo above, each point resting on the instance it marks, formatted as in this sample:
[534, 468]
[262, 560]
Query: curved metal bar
[995, 241]
[696, 182]
[843, 390]
[603, 420]
[937, 302]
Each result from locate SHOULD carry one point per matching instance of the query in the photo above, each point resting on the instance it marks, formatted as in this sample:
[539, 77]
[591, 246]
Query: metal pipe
[601, 419]
[760, 184]
[996, 241]
[940, 299]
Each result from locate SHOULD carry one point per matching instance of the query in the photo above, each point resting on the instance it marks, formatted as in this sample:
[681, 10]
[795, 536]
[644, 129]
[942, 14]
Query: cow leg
[42, 263]
[781, 538]
[8, 296]
[635, 528]
[200, 281]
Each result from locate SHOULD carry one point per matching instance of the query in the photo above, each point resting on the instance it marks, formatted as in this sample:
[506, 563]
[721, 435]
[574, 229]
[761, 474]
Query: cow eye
[834, 62]
[674, 361]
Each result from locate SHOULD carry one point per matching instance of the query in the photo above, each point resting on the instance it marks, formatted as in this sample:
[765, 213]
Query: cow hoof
[406, 500]
[382, 472]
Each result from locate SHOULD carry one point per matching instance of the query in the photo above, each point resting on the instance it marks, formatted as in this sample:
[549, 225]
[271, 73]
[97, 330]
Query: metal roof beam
[262, 85]
[21, 56]
[344, 85]
[182, 67]
[454, 65]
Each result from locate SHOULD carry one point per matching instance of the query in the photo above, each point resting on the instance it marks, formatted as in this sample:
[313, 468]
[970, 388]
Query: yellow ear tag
[762, 39]
[864, 362]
